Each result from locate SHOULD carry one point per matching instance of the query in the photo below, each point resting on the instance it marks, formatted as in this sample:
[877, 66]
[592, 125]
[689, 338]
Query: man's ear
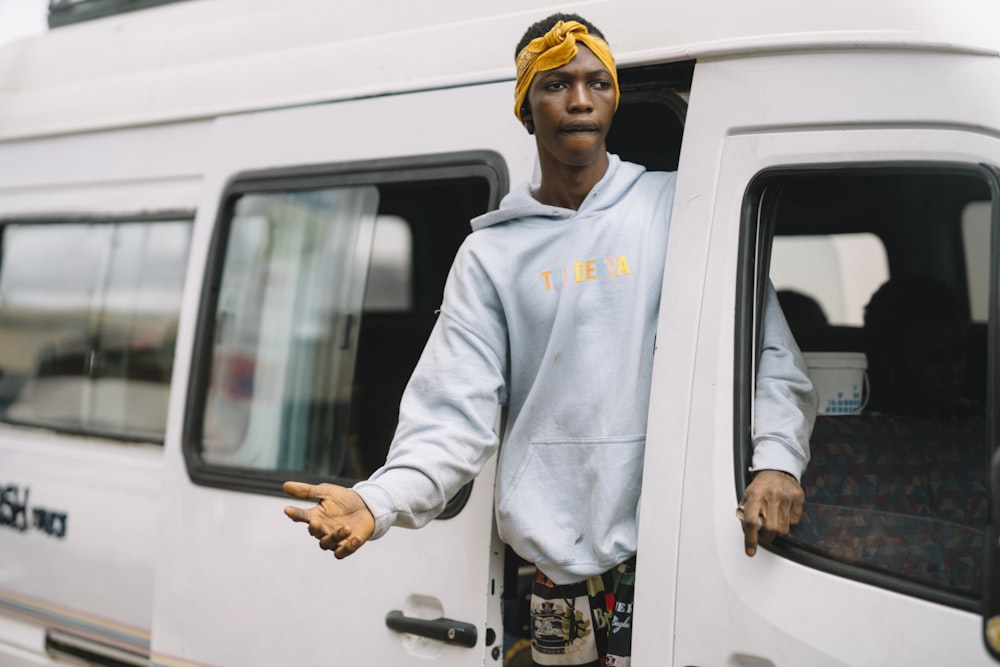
[526, 119]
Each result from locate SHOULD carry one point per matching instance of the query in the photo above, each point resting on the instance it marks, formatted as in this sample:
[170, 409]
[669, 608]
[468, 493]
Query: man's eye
[601, 85]
[556, 85]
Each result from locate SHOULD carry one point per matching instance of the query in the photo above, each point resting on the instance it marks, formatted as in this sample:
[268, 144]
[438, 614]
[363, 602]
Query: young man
[551, 310]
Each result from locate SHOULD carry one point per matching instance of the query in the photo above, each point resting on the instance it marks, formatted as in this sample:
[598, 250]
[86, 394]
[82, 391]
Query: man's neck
[567, 186]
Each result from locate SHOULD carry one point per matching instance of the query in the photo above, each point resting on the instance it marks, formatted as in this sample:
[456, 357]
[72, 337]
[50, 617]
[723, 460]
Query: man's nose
[580, 97]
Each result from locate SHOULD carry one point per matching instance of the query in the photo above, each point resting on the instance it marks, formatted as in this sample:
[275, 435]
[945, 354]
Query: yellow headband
[554, 49]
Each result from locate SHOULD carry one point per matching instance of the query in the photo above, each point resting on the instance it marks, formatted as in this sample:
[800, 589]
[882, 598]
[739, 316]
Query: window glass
[837, 271]
[897, 489]
[286, 322]
[976, 243]
[88, 316]
[325, 299]
[390, 285]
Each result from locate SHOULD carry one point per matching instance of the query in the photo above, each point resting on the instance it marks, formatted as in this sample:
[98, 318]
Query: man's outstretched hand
[340, 520]
[771, 505]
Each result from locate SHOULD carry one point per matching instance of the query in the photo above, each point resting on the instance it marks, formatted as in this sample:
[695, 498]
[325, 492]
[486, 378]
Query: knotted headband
[554, 49]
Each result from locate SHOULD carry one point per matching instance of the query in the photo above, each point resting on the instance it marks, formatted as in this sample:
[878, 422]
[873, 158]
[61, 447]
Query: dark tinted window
[897, 491]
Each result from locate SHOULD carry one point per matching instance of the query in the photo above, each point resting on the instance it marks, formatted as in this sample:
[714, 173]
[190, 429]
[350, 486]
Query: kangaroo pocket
[573, 501]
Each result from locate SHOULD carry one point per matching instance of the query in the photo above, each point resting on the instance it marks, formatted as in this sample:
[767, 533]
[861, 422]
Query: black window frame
[757, 226]
[485, 164]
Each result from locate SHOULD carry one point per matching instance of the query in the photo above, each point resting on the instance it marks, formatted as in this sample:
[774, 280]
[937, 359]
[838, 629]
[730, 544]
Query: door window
[289, 302]
[324, 293]
[897, 491]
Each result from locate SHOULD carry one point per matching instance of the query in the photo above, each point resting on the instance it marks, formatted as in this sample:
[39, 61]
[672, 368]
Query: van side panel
[79, 524]
[832, 109]
[78, 539]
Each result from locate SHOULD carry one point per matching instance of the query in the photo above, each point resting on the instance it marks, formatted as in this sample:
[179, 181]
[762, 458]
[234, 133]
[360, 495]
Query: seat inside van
[900, 486]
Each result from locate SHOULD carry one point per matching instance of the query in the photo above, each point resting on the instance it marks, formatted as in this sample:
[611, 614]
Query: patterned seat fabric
[898, 494]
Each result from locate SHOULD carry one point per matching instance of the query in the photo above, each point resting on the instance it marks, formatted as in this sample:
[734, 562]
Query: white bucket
[841, 381]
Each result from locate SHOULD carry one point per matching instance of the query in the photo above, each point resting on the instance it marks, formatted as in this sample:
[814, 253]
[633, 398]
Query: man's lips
[581, 127]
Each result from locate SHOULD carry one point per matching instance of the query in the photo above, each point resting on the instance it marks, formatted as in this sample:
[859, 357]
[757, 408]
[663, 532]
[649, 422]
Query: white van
[224, 231]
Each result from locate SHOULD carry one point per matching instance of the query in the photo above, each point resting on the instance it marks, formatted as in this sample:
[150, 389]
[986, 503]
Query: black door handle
[443, 629]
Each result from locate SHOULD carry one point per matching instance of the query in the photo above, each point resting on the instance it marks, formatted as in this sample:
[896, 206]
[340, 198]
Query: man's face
[572, 107]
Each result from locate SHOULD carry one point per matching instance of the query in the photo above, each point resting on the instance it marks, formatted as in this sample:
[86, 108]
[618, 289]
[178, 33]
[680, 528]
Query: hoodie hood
[519, 203]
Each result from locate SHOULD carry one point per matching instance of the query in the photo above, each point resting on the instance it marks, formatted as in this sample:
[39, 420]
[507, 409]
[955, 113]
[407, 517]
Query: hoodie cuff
[776, 455]
[379, 503]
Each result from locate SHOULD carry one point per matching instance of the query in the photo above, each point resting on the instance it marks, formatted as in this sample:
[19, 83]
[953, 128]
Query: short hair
[539, 28]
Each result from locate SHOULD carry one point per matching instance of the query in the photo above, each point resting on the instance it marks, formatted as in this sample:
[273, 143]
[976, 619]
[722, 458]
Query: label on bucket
[840, 380]
[842, 404]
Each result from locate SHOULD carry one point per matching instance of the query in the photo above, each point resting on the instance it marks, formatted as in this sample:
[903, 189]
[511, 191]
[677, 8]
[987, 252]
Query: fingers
[796, 513]
[750, 541]
[298, 490]
[347, 547]
[301, 490]
[297, 514]
[305, 492]
[768, 519]
[340, 520]
[750, 517]
[777, 518]
[332, 541]
[342, 543]
[771, 505]
[339, 540]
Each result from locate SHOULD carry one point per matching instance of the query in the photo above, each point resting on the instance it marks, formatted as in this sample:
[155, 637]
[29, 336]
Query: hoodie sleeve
[446, 423]
[784, 399]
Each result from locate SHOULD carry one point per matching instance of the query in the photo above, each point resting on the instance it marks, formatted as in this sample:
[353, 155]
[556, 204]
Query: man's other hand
[771, 505]
[340, 520]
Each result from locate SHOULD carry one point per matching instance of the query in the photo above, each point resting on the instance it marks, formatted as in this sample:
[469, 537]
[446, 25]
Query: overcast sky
[22, 17]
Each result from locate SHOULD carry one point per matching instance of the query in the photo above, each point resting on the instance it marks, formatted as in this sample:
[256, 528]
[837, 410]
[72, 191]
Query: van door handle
[443, 629]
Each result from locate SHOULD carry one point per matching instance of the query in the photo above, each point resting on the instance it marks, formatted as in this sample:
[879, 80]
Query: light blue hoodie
[552, 313]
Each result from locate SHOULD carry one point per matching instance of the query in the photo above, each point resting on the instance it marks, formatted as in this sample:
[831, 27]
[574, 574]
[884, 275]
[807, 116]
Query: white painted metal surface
[208, 57]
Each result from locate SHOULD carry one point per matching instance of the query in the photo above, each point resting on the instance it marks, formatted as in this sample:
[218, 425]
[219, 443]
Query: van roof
[202, 58]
